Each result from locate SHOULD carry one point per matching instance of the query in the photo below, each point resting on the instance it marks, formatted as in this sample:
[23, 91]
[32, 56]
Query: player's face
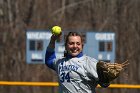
[74, 45]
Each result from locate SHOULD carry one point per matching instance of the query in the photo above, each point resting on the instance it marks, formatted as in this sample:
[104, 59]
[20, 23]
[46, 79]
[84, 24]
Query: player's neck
[78, 56]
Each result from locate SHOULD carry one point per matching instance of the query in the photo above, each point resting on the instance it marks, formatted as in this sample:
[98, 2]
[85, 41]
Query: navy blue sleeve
[49, 58]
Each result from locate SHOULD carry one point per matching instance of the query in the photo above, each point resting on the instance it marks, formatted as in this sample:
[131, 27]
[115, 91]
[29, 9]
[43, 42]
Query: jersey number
[64, 76]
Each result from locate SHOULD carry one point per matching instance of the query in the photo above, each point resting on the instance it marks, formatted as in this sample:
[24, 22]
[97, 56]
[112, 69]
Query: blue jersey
[75, 74]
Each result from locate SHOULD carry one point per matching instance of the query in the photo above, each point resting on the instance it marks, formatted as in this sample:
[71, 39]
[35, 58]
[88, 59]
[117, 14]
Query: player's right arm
[50, 52]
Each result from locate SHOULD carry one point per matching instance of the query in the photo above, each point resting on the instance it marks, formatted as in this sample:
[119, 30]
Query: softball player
[77, 73]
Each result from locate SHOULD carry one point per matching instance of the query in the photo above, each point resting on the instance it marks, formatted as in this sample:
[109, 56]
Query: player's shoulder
[90, 58]
[59, 60]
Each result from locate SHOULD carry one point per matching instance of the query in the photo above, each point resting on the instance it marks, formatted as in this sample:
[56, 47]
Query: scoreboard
[99, 45]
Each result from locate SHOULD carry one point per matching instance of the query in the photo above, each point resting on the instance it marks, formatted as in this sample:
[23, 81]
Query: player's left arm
[103, 80]
[95, 73]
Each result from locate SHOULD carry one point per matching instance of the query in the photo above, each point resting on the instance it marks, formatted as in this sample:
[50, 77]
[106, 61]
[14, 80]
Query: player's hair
[67, 38]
